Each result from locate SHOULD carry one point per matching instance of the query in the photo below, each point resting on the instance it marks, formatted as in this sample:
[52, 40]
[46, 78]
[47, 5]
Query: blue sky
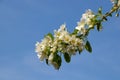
[23, 22]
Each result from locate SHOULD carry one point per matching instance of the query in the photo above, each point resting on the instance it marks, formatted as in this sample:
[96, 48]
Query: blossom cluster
[86, 22]
[62, 42]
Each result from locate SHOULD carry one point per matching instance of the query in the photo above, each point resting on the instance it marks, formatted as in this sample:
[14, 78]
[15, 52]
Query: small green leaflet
[47, 61]
[57, 61]
[75, 31]
[99, 25]
[100, 10]
[67, 57]
[50, 35]
[88, 47]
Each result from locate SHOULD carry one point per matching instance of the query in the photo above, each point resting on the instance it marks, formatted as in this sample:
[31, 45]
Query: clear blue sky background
[23, 22]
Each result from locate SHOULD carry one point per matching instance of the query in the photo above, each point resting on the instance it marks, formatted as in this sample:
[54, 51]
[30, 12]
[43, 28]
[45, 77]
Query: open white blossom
[61, 33]
[86, 20]
[41, 47]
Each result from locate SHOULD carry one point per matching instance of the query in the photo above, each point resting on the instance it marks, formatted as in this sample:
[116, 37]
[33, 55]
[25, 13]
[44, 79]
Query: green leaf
[104, 18]
[79, 36]
[50, 35]
[88, 47]
[57, 61]
[47, 61]
[67, 57]
[99, 25]
[110, 15]
[100, 10]
[64, 43]
[75, 31]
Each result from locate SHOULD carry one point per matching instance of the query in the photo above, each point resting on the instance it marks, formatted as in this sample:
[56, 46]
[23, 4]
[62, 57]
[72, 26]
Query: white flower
[60, 33]
[38, 49]
[85, 21]
[41, 56]
[80, 25]
[41, 48]
[87, 17]
[62, 28]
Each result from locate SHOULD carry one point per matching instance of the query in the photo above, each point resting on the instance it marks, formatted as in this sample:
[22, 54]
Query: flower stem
[114, 8]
